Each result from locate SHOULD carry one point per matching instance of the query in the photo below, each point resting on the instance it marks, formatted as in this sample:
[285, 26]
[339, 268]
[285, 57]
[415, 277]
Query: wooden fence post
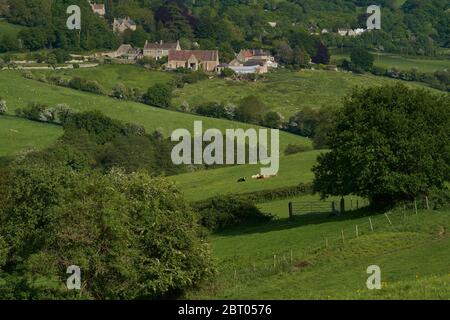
[415, 204]
[356, 230]
[371, 225]
[343, 238]
[426, 201]
[290, 210]
[342, 205]
[389, 220]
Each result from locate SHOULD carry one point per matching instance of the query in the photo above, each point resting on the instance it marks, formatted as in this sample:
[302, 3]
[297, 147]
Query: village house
[125, 52]
[120, 25]
[206, 60]
[253, 61]
[160, 49]
[98, 8]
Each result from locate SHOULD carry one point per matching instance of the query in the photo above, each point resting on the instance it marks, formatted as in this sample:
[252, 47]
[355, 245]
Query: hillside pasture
[294, 169]
[306, 258]
[19, 92]
[284, 91]
[20, 134]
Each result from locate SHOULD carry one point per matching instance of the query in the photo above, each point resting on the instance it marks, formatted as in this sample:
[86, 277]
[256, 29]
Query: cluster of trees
[309, 122]
[362, 61]
[418, 26]
[133, 236]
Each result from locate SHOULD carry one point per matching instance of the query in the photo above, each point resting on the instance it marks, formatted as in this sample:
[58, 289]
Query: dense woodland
[416, 27]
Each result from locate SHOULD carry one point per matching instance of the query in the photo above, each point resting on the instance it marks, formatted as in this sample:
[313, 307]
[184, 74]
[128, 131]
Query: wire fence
[292, 260]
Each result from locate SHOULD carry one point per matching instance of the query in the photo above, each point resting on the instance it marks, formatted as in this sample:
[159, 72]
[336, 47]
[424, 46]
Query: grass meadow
[19, 134]
[406, 63]
[306, 258]
[19, 92]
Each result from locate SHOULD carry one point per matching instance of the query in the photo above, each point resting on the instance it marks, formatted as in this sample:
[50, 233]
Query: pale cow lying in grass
[261, 176]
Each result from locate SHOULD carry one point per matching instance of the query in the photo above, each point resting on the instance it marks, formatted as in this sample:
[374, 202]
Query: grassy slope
[110, 75]
[19, 92]
[9, 29]
[283, 91]
[18, 134]
[404, 62]
[412, 254]
[293, 170]
[279, 208]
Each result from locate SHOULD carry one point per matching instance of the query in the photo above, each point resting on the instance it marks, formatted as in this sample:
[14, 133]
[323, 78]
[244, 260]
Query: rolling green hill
[110, 75]
[406, 63]
[289, 259]
[19, 92]
[283, 91]
[18, 134]
[294, 169]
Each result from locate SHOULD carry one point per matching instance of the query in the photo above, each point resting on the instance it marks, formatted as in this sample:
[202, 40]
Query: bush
[134, 237]
[296, 148]
[120, 91]
[227, 73]
[227, 211]
[78, 83]
[37, 112]
[3, 107]
[159, 95]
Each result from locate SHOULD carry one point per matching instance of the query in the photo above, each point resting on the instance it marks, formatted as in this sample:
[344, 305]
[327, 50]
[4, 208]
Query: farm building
[206, 60]
[120, 25]
[98, 8]
[160, 49]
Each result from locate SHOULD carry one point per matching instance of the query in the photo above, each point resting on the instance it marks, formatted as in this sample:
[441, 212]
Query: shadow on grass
[295, 222]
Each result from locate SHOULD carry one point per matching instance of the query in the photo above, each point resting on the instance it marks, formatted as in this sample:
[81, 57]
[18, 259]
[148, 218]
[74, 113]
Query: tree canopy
[389, 144]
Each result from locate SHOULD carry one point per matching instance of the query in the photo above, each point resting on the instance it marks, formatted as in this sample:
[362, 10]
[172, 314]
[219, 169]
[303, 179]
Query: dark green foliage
[313, 123]
[296, 148]
[250, 110]
[160, 95]
[227, 211]
[78, 83]
[103, 128]
[322, 55]
[133, 237]
[361, 59]
[388, 144]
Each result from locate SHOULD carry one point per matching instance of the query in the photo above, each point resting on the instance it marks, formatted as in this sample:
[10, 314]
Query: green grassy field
[279, 208]
[19, 134]
[9, 29]
[294, 169]
[283, 91]
[19, 92]
[406, 63]
[289, 259]
[110, 75]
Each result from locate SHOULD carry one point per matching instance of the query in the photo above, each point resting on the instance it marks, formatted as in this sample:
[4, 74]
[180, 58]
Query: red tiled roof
[202, 55]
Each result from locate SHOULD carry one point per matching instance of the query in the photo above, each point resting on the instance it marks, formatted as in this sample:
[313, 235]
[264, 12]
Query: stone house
[160, 49]
[125, 52]
[98, 8]
[206, 60]
[120, 25]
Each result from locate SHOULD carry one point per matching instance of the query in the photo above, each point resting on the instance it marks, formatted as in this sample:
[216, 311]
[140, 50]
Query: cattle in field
[241, 179]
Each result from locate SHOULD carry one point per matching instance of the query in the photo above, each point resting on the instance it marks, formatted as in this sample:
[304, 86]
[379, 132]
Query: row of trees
[420, 26]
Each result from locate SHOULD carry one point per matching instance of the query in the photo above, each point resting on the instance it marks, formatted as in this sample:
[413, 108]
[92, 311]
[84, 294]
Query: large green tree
[388, 143]
[134, 237]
